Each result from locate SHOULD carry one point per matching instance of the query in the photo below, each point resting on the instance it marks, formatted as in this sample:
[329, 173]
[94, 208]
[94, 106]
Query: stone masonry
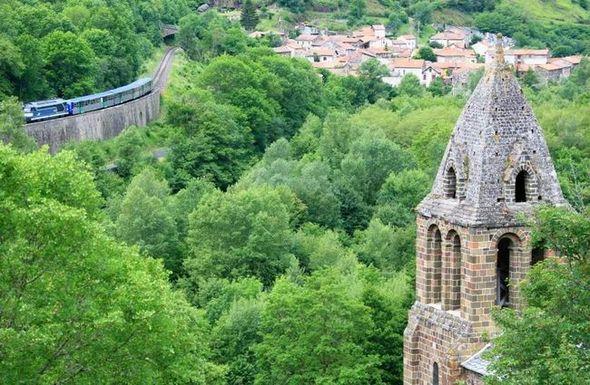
[472, 248]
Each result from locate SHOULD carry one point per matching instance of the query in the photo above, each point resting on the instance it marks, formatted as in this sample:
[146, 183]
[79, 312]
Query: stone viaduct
[107, 123]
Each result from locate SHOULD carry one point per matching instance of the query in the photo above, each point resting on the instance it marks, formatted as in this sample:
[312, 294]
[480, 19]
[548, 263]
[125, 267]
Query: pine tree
[249, 18]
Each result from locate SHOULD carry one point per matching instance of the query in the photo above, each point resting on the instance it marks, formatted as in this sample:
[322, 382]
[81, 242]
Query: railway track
[161, 75]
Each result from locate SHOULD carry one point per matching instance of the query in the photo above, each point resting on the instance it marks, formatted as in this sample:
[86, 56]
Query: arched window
[520, 187]
[452, 272]
[435, 257]
[450, 183]
[435, 375]
[537, 255]
[503, 272]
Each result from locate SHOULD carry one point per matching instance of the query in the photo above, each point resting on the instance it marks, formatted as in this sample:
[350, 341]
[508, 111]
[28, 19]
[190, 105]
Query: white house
[448, 38]
[410, 40]
[452, 54]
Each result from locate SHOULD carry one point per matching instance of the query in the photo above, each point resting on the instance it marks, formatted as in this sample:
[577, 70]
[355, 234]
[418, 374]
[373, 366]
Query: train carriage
[110, 98]
[50, 109]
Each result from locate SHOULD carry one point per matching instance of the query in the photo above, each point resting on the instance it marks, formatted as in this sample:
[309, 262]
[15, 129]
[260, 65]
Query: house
[306, 41]
[320, 54]
[448, 39]
[481, 47]
[402, 67]
[429, 73]
[378, 31]
[423, 70]
[382, 53]
[555, 70]
[284, 51]
[575, 59]
[527, 56]
[453, 54]
[411, 41]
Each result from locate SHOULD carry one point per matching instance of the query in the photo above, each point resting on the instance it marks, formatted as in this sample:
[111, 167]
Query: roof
[549, 67]
[407, 63]
[496, 136]
[446, 35]
[322, 51]
[378, 27]
[575, 59]
[282, 49]
[453, 51]
[45, 103]
[305, 37]
[528, 52]
[407, 37]
[477, 363]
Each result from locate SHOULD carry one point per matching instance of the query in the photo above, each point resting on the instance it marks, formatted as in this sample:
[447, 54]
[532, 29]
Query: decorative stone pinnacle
[499, 50]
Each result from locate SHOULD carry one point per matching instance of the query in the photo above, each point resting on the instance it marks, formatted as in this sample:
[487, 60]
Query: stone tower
[472, 247]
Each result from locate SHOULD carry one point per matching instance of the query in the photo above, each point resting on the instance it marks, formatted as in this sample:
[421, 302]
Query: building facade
[472, 246]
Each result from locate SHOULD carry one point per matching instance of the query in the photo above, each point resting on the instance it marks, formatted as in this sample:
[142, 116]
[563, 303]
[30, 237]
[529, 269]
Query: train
[57, 108]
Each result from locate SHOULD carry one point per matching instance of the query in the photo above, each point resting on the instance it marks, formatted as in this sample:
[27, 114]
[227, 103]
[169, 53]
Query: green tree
[70, 64]
[11, 67]
[297, 6]
[371, 74]
[558, 304]
[145, 220]
[308, 179]
[438, 87]
[426, 53]
[422, 12]
[12, 129]
[386, 248]
[241, 234]
[249, 18]
[234, 338]
[372, 157]
[396, 20]
[216, 143]
[530, 79]
[316, 333]
[78, 307]
[400, 194]
[356, 11]
[410, 86]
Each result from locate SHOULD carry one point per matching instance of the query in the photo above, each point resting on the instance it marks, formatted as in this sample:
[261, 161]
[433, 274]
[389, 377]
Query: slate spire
[497, 163]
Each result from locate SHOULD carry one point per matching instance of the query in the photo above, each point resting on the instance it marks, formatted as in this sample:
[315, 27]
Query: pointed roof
[496, 138]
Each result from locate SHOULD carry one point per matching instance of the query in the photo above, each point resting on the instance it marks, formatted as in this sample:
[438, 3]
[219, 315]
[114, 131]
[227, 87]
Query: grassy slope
[542, 10]
[553, 10]
[547, 11]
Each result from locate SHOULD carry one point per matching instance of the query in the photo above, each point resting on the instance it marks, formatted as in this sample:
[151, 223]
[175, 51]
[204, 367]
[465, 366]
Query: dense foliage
[69, 48]
[263, 231]
[77, 306]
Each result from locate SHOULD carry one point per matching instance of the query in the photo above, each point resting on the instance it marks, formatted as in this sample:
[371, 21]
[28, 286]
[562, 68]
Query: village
[459, 52]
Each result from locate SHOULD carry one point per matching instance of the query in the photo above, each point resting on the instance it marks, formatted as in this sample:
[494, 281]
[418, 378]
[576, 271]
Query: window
[521, 186]
[503, 272]
[435, 375]
[450, 188]
[435, 258]
[537, 255]
[452, 284]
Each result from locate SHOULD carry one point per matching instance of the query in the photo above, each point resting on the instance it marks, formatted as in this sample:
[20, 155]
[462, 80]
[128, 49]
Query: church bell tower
[472, 247]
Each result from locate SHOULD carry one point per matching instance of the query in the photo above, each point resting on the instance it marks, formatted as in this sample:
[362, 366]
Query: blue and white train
[56, 108]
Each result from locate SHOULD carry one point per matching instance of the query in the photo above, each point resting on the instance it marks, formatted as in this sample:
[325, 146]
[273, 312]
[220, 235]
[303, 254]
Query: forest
[274, 243]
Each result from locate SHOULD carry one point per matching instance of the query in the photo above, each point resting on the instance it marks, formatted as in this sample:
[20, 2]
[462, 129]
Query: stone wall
[456, 285]
[443, 269]
[434, 336]
[96, 125]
